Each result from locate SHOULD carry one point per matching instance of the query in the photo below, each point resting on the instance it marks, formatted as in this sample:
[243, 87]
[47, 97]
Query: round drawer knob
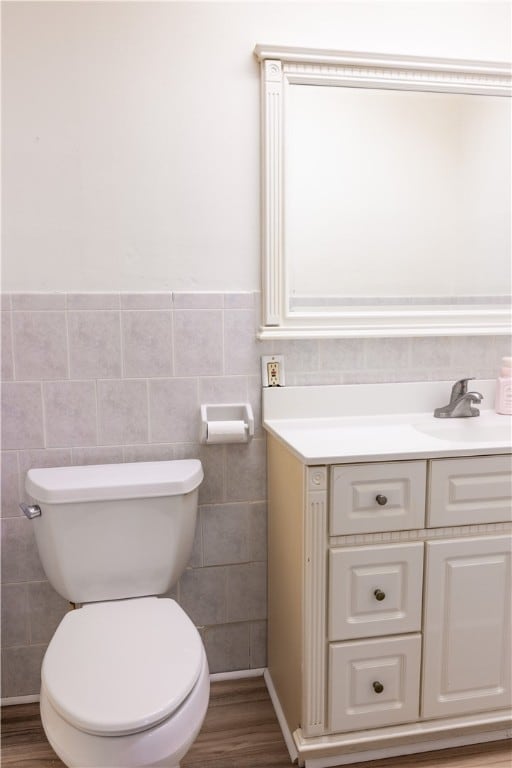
[379, 595]
[381, 499]
[378, 687]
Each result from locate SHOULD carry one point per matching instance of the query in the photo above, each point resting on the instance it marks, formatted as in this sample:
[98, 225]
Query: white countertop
[350, 423]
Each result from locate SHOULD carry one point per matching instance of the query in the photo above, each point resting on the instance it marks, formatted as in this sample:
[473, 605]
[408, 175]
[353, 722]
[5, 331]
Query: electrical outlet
[273, 374]
[272, 370]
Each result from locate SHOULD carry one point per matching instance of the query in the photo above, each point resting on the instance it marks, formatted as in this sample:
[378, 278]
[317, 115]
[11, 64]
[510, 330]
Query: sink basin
[474, 429]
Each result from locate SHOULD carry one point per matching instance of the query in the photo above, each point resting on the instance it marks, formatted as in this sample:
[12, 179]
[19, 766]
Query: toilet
[125, 680]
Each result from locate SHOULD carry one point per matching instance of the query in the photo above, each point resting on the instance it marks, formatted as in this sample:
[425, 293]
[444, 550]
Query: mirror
[386, 195]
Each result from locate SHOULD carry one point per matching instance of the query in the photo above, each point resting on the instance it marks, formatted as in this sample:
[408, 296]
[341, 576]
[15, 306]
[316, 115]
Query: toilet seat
[120, 667]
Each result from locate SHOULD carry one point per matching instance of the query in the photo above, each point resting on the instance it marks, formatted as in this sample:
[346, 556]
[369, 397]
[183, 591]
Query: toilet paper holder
[226, 423]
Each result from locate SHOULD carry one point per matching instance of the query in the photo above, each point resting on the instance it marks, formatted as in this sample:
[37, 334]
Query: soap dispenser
[504, 387]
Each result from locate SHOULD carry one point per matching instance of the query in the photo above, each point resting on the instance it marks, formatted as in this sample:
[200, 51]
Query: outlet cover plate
[265, 360]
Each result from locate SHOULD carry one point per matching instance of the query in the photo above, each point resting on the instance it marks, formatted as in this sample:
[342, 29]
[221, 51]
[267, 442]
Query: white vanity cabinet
[389, 604]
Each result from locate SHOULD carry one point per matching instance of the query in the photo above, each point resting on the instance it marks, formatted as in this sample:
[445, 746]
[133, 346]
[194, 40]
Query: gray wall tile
[246, 591]
[46, 610]
[254, 396]
[6, 348]
[10, 485]
[38, 301]
[258, 531]
[429, 353]
[40, 345]
[227, 647]
[148, 453]
[211, 490]
[503, 348]
[5, 302]
[174, 410]
[258, 644]
[196, 556]
[242, 351]
[202, 594]
[49, 457]
[387, 354]
[474, 353]
[122, 412]
[70, 413]
[21, 670]
[146, 300]
[198, 300]
[15, 624]
[147, 343]
[300, 355]
[240, 300]
[22, 415]
[93, 301]
[225, 533]
[198, 342]
[97, 455]
[340, 354]
[246, 471]
[20, 558]
[223, 389]
[95, 344]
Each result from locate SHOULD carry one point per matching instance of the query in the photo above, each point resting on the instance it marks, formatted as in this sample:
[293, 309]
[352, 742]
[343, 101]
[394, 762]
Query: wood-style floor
[240, 731]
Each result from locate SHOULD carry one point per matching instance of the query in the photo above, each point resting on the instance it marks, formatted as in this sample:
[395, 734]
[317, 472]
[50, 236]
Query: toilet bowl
[124, 681]
[124, 684]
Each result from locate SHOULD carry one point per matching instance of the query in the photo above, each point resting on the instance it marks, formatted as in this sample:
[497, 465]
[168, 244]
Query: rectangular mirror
[386, 195]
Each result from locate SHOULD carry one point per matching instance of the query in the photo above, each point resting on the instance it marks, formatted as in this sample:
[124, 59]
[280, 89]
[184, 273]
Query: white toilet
[125, 679]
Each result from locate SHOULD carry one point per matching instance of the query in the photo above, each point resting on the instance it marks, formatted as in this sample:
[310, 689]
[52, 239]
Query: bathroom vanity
[389, 571]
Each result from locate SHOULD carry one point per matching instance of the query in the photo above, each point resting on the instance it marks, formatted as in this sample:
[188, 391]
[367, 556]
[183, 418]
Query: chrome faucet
[461, 402]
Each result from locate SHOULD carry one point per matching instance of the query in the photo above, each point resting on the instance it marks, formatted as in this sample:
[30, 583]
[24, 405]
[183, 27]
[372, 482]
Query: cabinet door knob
[379, 594]
[381, 499]
[378, 687]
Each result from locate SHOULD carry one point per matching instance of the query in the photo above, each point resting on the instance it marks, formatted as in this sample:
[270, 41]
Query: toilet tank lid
[106, 482]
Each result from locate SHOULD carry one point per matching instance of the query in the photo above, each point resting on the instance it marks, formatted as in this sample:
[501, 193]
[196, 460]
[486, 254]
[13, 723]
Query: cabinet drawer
[369, 498]
[375, 590]
[374, 683]
[472, 490]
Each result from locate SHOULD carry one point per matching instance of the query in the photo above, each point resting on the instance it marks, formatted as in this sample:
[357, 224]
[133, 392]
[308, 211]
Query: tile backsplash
[99, 378]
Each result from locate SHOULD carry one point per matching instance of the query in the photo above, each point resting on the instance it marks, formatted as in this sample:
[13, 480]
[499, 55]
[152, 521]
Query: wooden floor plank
[240, 731]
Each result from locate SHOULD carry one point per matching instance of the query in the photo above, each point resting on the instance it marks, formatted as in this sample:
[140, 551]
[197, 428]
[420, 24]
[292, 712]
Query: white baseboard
[10, 700]
[238, 674]
[287, 735]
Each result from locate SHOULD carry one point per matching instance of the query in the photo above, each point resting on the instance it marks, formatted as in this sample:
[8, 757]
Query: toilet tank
[115, 531]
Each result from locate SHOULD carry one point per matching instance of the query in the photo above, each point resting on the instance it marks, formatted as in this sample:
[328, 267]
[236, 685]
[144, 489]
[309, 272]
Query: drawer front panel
[374, 683]
[470, 490]
[370, 498]
[375, 590]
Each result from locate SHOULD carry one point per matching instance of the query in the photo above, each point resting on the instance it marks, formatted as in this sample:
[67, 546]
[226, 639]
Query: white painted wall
[131, 129]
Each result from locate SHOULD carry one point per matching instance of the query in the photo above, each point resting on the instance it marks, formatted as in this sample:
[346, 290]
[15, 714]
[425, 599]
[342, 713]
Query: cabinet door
[385, 496]
[466, 659]
[375, 590]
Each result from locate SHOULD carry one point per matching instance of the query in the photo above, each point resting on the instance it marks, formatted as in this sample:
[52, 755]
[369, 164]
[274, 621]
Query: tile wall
[98, 378]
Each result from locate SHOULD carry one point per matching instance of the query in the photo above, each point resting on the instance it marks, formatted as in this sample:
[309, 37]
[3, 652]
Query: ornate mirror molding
[458, 295]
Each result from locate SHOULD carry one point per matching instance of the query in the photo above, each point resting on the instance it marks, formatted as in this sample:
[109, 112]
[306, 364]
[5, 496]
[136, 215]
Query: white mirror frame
[283, 66]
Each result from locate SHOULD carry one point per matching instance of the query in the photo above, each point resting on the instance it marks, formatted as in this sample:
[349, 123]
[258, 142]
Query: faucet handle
[460, 388]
